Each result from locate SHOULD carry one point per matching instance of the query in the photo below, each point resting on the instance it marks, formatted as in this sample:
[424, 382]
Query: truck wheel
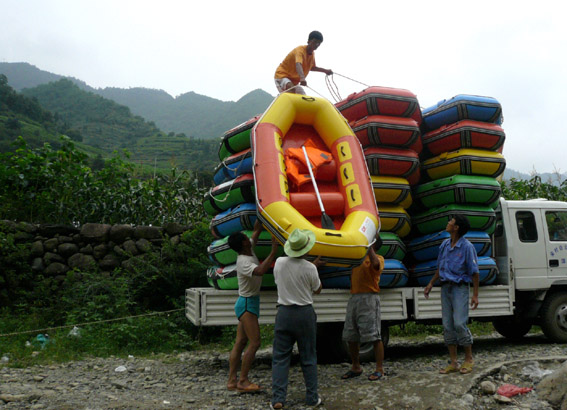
[554, 317]
[511, 327]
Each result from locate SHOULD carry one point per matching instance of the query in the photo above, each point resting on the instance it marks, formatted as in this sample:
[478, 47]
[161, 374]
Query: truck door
[556, 238]
[529, 259]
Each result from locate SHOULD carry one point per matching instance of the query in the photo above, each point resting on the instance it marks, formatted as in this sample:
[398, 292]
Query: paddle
[326, 221]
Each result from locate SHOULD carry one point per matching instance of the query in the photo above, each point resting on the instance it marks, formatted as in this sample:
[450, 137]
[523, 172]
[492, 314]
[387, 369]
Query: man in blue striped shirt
[457, 268]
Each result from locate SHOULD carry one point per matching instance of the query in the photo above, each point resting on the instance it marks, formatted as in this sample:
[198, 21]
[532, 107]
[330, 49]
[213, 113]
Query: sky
[509, 50]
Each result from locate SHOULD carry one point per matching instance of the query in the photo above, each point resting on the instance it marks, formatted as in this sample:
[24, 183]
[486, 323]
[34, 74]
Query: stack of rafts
[387, 123]
[231, 202]
[463, 143]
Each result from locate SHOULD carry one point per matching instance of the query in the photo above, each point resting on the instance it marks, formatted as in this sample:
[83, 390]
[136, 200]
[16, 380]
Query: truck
[529, 246]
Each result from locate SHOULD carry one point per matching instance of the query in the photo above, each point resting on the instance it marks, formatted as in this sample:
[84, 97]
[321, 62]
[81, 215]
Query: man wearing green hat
[297, 280]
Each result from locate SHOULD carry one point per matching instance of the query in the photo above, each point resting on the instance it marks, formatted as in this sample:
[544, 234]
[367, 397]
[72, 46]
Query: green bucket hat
[300, 242]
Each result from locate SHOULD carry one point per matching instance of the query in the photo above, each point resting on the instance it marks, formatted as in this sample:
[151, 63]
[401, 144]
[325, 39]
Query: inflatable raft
[462, 107]
[229, 194]
[233, 166]
[392, 190]
[459, 189]
[426, 247]
[226, 278]
[394, 275]
[221, 254]
[241, 217]
[236, 139]
[285, 194]
[395, 162]
[465, 162]
[380, 101]
[487, 272]
[392, 246]
[394, 218]
[481, 218]
[465, 134]
[381, 130]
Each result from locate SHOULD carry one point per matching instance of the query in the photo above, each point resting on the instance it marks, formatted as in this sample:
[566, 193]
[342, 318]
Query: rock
[87, 249]
[36, 249]
[174, 228]
[99, 251]
[56, 268]
[553, 387]
[51, 244]
[502, 399]
[67, 249]
[10, 398]
[50, 230]
[109, 262]
[488, 387]
[81, 261]
[27, 227]
[37, 265]
[130, 247]
[119, 233]
[52, 257]
[95, 232]
[147, 232]
[23, 236]
[143, 245]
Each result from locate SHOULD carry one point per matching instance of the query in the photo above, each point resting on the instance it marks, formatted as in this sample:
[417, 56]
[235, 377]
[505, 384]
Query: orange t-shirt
[287, 67]
[364, 278]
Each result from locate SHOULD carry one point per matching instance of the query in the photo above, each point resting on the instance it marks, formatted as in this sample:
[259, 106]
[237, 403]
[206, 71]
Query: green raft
[481, 218]
[236, 139]
[392, 246]
[226, 278]
[459, 189]
[229, 194]
[221, 254]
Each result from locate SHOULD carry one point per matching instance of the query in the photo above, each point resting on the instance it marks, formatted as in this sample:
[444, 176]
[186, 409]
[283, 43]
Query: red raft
[380, 130]
[465, 134]
[394, 162]
[393, 102]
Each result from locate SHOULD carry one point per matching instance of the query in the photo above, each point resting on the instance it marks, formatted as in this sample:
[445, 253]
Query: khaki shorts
[281, 83]
[362, 321]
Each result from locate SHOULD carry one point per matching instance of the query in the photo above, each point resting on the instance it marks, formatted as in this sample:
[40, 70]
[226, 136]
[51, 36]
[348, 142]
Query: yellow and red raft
[285, 195]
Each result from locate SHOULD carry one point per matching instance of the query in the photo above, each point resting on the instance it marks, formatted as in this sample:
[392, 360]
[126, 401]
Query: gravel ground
[197, 379]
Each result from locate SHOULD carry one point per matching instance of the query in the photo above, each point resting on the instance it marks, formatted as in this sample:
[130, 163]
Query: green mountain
[191, 114]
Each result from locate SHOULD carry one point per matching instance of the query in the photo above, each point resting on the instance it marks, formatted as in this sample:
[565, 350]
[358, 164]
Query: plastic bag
[509, 390]
[75, 332]
[534, 372]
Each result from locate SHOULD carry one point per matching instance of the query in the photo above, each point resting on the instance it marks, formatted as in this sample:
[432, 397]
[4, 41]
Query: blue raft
[424, 271]
[233, 166]
[462, 107]
[394, 275]
[426, 247]
[240, 218]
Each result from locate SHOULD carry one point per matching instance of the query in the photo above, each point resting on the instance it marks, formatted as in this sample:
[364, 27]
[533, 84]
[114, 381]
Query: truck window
[556, 225]
[527, 230]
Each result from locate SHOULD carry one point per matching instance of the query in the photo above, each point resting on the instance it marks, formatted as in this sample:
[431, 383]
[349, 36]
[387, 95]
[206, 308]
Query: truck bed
[213, 307]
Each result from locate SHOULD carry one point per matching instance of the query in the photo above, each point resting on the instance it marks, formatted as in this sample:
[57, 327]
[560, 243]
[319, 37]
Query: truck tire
[511, 327]
[554, 317]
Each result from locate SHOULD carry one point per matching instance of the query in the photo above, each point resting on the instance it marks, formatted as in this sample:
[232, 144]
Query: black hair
[235, 241]
[315, 35]
[463, 223]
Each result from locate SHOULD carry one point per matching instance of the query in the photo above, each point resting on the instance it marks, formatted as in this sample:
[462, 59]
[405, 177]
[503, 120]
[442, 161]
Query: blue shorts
[247, 304]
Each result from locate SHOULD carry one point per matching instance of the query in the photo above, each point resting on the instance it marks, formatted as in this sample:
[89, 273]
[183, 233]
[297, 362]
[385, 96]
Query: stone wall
[56, 249]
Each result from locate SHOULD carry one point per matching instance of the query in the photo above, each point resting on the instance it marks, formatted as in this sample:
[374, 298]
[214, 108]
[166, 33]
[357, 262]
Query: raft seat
[306, 203]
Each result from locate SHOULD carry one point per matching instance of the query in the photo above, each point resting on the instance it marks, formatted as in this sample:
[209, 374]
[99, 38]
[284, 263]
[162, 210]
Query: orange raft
[285, 195]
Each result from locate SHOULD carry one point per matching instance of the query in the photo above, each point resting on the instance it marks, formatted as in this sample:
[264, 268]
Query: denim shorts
[247, 304]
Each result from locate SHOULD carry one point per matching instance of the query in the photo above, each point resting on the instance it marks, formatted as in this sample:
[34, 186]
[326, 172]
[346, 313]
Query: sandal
[375, 376]
[449, 369]
[251, 388]
[351, 374]
[466, 368]
[276, 406]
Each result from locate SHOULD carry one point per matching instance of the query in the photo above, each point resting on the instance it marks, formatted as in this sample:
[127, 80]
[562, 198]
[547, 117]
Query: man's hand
[318, 262]
[427, 290]
[474, 302]
[329, 72]
[303, 82]
[275, 243]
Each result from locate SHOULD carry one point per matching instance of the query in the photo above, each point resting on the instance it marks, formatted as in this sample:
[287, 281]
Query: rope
[87, 323]
[351, 79]
[332, 87]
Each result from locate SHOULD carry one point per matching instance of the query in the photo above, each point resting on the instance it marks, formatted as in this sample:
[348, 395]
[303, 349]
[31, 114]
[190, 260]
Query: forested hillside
[191, 114]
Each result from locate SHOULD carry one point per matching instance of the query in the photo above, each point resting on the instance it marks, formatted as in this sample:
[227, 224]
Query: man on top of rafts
[297, 64]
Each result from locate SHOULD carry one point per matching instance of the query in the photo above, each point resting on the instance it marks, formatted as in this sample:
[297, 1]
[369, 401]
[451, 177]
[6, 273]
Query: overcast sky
[225, 49]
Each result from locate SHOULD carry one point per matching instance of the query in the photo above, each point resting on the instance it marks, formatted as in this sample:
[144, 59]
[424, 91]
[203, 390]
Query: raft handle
[310, 99]
[333, 234]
